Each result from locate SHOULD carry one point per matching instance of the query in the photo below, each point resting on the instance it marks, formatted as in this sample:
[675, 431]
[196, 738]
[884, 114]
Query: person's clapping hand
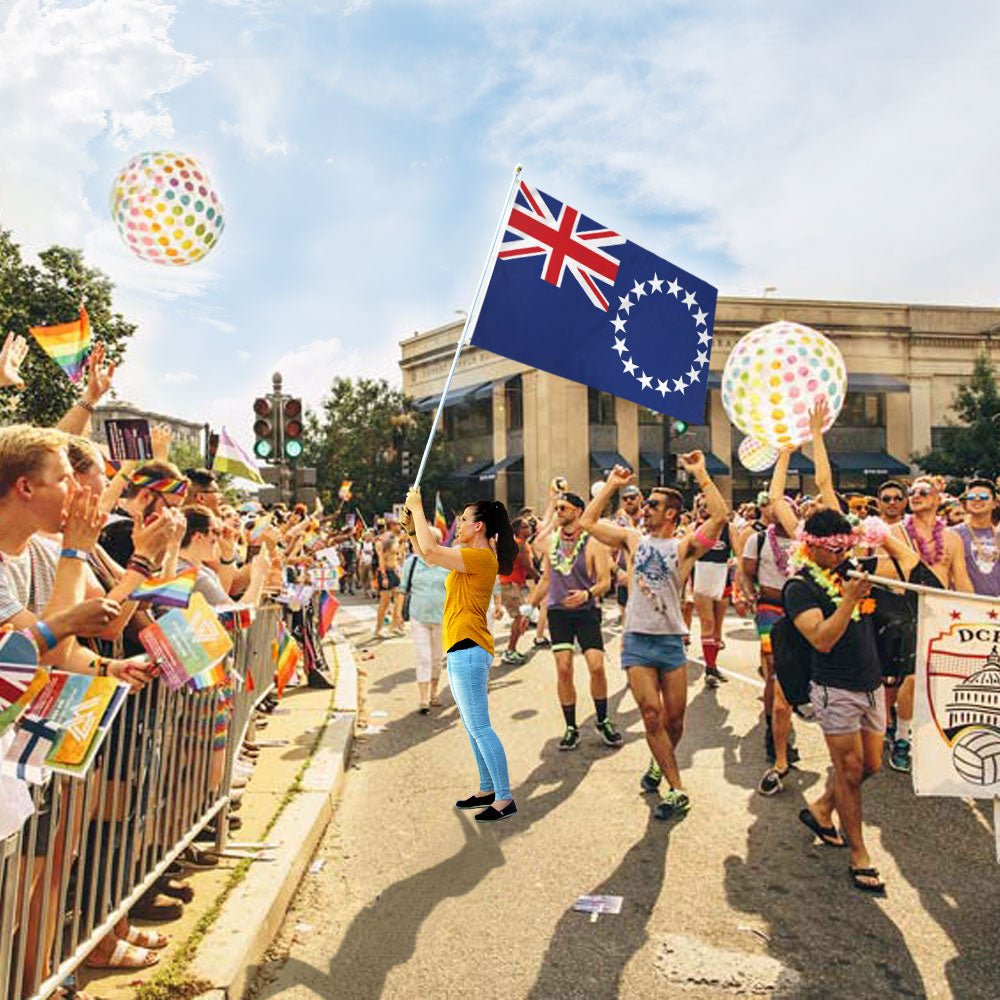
[13, 352]
[88, 618]
[150, 540]
[82, 521]
[99, 375]
[160, 436]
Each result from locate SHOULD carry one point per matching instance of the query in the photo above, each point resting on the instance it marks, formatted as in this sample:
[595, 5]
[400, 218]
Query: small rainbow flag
[67, 344]
[215, 676]
[171, 591]
[440, 521]
[328, 605]
[158, 485]
[287, 655]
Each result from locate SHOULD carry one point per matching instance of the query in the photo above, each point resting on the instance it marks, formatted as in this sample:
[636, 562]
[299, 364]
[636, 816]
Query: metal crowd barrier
[95, 845]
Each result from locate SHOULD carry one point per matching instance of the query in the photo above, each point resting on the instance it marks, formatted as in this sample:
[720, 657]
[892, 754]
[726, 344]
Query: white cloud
[178, 378]
[220, 324]
[355, 7]
[243, 356]
[259, 89]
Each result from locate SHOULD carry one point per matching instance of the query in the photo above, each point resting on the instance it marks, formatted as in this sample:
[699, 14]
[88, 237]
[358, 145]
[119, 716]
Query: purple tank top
[577, 578]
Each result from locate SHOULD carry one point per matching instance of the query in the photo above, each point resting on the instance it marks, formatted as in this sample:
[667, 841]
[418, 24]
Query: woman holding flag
[485, 544]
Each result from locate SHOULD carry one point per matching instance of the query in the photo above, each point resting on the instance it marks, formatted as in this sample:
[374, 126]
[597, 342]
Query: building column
[627, 419]
[533, 486]
[920, 414]
[500, 438]
[721, 431]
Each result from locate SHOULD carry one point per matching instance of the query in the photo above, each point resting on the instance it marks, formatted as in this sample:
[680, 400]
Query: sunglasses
[560, 507]
[892, 498]
[655, 504]
[920, 491]
[984, 495]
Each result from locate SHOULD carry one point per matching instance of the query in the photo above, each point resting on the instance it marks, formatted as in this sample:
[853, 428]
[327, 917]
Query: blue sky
[363, 149]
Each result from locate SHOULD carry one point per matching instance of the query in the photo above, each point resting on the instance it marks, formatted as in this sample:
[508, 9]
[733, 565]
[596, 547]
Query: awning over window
[868, 463]
[802, 464]
[461, 475]
[464, 394]
[714, 465]
[875, 383]
[650, 458]
[607, 460]
[492, 471]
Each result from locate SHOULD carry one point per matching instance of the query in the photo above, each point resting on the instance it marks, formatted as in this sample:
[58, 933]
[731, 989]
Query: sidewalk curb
[230, 952]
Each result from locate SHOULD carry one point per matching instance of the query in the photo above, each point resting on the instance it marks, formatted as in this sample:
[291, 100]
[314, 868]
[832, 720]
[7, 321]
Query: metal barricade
[95, 845]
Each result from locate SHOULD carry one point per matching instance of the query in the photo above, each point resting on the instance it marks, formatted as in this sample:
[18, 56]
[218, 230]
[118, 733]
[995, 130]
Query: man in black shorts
[576, 574]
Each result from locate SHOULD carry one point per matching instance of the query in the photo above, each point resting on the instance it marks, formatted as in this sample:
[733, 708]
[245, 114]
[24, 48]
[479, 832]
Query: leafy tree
[187, 454]
[360, 434]
[971, 448]
[45, 294]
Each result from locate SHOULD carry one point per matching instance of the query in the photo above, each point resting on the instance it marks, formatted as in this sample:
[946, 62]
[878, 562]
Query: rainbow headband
[144, 482]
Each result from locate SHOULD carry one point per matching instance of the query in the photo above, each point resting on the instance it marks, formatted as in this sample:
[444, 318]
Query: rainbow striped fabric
[67, 344]
[157, 485]
[287, 655]
[440, 521]
[171, 591]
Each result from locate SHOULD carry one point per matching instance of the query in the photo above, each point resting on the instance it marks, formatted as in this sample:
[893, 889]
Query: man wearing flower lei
[576, 573]
[653, 652]
[940, 549]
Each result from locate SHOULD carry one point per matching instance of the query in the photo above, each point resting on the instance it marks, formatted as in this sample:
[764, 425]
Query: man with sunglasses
[980, 539]
[892, 502]
[653, 653]
[576, 573]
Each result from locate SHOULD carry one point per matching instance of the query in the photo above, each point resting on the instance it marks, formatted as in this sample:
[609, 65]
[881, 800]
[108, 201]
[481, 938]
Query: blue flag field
[573, 298]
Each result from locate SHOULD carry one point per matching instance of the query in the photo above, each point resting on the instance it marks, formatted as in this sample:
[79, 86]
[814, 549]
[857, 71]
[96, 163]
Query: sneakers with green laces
[571, 739]
[899, 757]
[673, 805]
[650, 781]
[610, 734]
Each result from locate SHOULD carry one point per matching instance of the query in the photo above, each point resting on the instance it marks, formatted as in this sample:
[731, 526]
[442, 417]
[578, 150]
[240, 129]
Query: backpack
[793, 656]
[895, 621]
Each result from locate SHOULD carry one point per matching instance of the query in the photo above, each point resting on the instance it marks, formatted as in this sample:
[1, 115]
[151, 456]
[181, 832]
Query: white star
[619, 346]
[662, 388]
[655, 284]
[700, 317]
[702, 358]
[679, 385]
[629, 367]
[639, 289]
[619, 324]
[646, 382]
[693, 375]
[703, 337]
[626, 303]
[673, 287]
[689, 300]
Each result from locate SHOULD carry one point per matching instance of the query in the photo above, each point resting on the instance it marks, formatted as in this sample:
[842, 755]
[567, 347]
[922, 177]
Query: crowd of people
[78, 535]
[833, 648]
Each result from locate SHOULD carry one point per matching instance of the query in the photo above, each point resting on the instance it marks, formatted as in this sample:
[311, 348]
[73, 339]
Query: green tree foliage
[972, 447]
[360, 434]
[45, 294]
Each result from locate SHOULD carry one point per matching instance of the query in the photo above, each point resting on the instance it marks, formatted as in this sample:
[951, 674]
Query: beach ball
[755, 455]
[773, 377]
[166, 209]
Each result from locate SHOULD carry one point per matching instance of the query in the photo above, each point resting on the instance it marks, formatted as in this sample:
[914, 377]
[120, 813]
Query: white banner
[956, 719]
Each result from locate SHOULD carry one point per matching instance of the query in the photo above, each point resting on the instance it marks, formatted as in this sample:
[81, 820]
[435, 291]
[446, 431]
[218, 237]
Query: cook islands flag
[571, 297]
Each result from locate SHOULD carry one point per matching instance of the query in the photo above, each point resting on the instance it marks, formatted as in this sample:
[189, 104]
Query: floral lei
[931, 557]
[561, 563]
[831, 585]
[780, 554]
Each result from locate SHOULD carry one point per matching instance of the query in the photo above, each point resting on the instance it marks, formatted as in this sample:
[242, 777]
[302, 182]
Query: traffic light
[404, 463]
[213, 447]
[292, 416]
[264, 428]
[680, 426]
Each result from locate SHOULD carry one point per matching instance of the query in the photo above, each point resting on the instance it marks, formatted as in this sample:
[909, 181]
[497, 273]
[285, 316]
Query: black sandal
[828, 834]
[857, 874]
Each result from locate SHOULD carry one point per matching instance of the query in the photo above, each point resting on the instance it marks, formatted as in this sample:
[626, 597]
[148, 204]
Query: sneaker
[674, 804]
[514, 658]
[650, 781]
[610, 734]
[899, 758]
[713, 677]
[571, 739]
[771, 784]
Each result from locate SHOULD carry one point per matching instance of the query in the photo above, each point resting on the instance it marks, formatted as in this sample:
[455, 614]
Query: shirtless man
[387, 578]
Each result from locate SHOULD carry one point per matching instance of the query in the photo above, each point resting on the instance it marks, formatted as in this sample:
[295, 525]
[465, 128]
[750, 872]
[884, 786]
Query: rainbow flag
[452, 531]
[67, 344]
[172, 591]
[215, 676]
[328, 605]
[440, 521]
[142, 481]
[287, 654]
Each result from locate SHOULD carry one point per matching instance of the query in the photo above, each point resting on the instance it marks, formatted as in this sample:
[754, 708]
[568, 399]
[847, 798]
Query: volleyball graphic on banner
[755, 455]
[166, 208]
[773, 378]
[976, 756]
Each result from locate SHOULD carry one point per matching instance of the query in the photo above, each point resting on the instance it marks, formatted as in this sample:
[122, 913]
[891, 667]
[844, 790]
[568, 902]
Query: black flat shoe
[476, 801]
[490, 815]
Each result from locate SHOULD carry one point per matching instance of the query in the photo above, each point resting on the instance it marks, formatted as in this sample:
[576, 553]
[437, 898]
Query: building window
[601, 407]
[862, 409]
[513, 396]
[648, 416]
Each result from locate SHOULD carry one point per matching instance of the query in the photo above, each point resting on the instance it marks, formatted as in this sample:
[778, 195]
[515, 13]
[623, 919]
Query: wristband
[45, 631]
[102, 667]
[703, 539]
[227, 562]
[74, 554]
[142, 568]
[89, 407]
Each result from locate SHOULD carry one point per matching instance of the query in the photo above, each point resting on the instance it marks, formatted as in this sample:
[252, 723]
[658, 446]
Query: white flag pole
[470, 317]
[885, 581]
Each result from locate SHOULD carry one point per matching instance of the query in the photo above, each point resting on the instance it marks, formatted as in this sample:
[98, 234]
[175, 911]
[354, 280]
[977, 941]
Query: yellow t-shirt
[467, 599]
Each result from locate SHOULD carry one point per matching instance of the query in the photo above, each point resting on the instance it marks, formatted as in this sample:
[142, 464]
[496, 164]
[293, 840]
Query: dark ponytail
[494, 516]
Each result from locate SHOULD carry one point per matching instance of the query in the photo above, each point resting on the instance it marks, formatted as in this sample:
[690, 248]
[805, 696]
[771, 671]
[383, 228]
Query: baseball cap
[575, 499]
[630, 491]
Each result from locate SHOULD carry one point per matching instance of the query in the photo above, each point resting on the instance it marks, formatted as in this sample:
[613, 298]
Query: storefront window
[601, 407]
[862, 409]
[514, 403]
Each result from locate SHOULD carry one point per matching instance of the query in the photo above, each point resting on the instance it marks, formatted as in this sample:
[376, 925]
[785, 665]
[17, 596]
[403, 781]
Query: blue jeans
[468, 671]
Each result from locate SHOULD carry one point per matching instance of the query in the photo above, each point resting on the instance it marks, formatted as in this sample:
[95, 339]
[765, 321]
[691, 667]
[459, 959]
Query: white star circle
[700, 319]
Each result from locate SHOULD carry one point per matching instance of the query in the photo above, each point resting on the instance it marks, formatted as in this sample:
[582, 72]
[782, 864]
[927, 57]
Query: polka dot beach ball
[773, 377]
[755, 455]
[166, 209]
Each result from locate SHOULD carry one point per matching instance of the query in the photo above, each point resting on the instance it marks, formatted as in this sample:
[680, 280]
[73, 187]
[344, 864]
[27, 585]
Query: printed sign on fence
[186, 642]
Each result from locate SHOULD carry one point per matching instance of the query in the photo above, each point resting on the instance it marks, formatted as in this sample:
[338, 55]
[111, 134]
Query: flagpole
[916, 588]
[469, 319]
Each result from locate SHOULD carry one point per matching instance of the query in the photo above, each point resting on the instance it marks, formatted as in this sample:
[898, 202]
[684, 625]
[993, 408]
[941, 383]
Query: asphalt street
[412, 898]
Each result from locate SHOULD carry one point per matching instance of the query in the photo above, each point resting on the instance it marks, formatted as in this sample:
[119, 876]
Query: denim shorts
[840, 712]
[642, 649]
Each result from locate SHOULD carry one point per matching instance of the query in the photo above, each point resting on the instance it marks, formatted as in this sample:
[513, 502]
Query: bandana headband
[175, 486]
[833, 543]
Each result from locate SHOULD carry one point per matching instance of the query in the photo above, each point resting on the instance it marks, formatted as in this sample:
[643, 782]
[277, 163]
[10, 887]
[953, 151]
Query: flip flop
[126, 956]
[828, 834]
[878, 889]
[147, 939]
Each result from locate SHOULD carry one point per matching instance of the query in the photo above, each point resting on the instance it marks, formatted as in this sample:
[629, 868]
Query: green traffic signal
[680, 426]
[262, 448]
[293, 448]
